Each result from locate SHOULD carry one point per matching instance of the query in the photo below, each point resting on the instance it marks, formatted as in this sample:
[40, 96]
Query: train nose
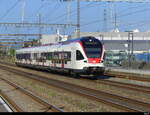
[94, 70]
[94, 60]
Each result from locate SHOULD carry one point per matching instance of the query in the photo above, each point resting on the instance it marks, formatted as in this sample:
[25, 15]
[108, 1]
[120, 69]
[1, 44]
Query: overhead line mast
[78, 18]
[34, 24]
[78, 8]
[23, 11]
[137, 1]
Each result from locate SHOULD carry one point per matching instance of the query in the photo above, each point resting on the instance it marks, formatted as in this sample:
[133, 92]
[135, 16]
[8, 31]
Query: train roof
[45, 47]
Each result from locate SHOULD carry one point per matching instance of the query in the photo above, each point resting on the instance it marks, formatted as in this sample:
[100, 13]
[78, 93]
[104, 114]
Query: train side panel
[73, 56]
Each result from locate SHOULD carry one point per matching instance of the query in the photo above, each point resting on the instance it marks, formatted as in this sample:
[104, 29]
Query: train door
[79, 59]
[62, 59]
[73, 55]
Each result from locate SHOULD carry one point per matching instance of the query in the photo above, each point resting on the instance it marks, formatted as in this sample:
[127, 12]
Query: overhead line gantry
[34, 24]
[78, 7]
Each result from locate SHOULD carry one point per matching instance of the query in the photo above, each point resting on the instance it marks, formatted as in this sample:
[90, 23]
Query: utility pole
[78, 18]
[40, 29]
[23, 10]
[130, 50]
[111, 14]
[130, 35]
[102, 38]
[105, 21]
[115, 20]
[129, 59]
[69, 12]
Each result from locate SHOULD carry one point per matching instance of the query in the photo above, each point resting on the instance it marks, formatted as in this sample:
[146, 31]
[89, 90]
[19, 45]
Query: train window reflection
[79, 55]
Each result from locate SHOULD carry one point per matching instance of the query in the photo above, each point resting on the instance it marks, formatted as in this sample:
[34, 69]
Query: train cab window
[79, 55]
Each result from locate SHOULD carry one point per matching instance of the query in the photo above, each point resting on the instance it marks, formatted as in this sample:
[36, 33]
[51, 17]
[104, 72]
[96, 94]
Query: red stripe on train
[94, 60]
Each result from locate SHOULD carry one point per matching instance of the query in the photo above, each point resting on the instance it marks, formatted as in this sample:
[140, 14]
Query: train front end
[93, 53]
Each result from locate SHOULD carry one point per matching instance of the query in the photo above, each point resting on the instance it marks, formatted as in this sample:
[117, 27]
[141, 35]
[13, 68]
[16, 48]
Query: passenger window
[79, 55]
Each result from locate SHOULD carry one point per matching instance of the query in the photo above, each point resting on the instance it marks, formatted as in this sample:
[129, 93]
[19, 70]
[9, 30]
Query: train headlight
[85, 61]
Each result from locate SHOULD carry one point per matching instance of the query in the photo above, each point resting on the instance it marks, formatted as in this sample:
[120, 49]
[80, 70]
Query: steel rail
[33, 96]
[128, 76]
[124, 76]
[134, 87]
[11, 103]
[120, 102]
[6, 105]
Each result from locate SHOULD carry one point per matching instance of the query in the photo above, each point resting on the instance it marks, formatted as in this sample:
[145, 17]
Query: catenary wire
[10, 9]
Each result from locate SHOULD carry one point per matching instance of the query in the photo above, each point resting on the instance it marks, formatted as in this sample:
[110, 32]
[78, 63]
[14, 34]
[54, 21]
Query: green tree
[11, 52]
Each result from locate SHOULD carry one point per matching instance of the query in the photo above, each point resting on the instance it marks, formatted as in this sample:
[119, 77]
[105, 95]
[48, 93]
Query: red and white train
[76, 56]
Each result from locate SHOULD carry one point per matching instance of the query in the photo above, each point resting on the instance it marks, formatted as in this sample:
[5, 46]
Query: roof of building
[138, 45]
[112, 34]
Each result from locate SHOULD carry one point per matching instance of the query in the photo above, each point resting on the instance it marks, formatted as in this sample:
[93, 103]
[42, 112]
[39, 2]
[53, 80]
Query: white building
[115, 35]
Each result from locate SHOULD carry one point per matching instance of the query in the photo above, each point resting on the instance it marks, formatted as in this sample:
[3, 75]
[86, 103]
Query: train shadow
[96, 77]
[90, 77]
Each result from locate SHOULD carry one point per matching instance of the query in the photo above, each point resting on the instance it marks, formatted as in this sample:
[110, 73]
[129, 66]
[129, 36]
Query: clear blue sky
[129, 16]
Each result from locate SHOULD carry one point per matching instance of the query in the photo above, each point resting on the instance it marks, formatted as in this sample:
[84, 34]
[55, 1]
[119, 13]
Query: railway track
[4, 106]
[128, 76]
[48, 107]
[119, 84]
[111, 74]
[127, 86]
[12, 105]
[117, 101]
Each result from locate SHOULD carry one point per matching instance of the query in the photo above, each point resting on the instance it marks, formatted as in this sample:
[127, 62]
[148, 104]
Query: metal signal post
[78, 18]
